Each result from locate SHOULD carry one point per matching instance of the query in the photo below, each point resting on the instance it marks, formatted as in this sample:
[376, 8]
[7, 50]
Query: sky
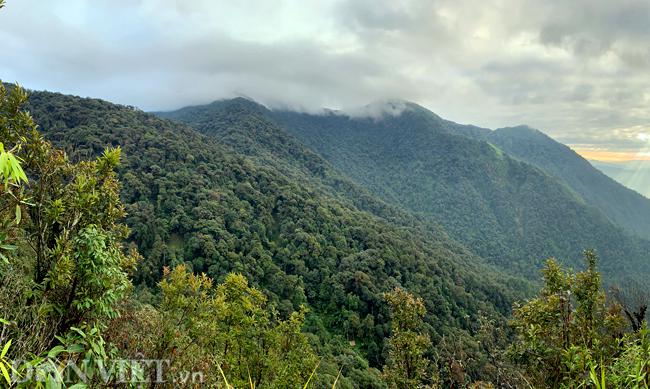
[578, 70]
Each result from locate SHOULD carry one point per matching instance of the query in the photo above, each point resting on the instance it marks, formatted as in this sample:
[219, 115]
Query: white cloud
[575, 69]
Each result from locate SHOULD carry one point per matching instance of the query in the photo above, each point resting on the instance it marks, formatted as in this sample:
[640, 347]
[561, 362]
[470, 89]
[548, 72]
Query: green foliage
[310, 271]
[227, 330]
[12, 175]
[81, 360]
[5, 365]
[407, 365]
[64, 263]
[10, 170]
[95, 275]
[631, 369]
[569, 337]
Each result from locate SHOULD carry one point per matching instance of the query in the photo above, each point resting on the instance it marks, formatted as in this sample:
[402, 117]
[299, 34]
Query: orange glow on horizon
[611, 156]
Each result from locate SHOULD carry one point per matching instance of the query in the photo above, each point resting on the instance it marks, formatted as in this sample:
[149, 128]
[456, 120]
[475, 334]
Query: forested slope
[506, 210]
[192, 200]
[246, 126]
[621, 205]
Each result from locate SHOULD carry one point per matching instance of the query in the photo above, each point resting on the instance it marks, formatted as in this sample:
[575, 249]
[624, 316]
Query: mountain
[197, 200]
[633, 174]
[506, 210]
[621, 205]
[246, 126]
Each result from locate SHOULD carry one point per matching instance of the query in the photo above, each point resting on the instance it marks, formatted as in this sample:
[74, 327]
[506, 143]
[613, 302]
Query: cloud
[595, 28]
[575, 69]
[378, 109]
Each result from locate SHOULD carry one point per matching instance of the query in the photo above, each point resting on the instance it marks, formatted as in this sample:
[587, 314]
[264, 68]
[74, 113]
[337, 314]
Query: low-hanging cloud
[575, 69]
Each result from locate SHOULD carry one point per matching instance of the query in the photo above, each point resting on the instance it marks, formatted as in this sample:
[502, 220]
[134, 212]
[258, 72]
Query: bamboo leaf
[5, 373]
[5, 349]
[53, 353]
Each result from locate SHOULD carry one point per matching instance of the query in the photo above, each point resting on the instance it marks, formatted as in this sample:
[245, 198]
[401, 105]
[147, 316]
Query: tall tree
[407, 365]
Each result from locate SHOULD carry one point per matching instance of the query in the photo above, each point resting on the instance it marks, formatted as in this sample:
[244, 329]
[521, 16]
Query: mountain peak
[240, 101]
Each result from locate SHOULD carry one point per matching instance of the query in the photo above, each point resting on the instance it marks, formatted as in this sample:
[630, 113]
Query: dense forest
[247, 258]
[194, 203]
[510, 212]
[621, 205]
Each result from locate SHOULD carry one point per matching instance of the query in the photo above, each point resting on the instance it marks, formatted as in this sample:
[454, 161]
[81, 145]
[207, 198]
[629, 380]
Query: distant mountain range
[633, 174]
[513, 196]
[620, 204]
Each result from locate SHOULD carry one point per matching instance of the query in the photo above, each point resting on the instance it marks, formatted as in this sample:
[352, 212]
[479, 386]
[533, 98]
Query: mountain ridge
[422, 124]
[621, 205]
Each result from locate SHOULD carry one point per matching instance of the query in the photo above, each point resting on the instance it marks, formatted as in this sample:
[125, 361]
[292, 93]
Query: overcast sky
[577, 70]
